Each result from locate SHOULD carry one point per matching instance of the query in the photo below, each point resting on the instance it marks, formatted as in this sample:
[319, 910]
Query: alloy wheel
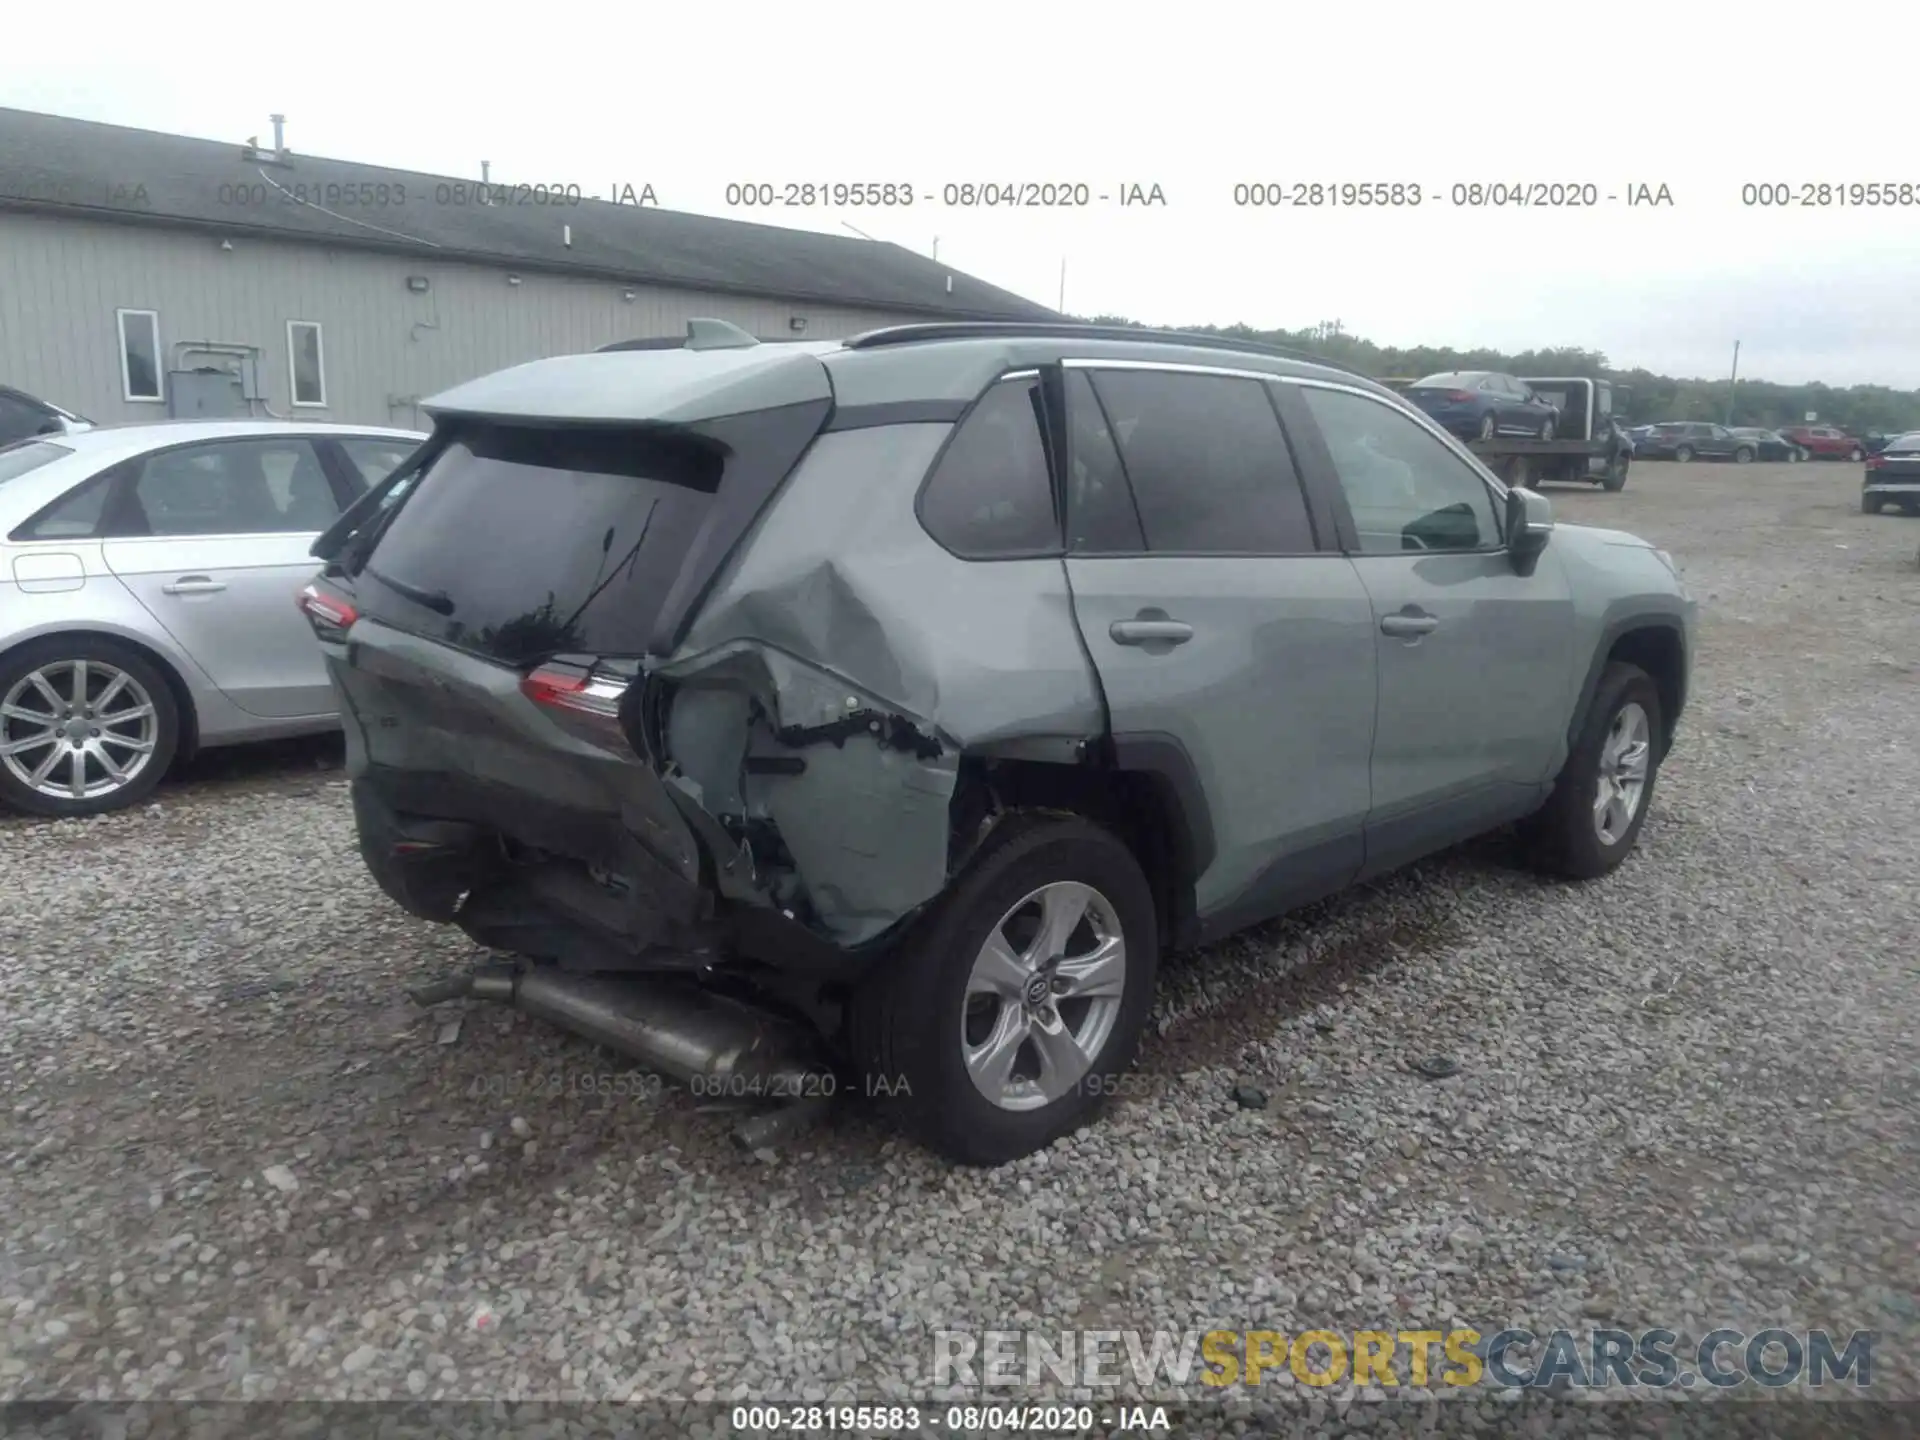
[1622, 782]
[1043, 996]
[77, 729]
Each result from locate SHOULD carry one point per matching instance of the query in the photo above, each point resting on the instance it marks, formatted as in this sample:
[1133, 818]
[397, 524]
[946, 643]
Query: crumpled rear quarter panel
[840, 604]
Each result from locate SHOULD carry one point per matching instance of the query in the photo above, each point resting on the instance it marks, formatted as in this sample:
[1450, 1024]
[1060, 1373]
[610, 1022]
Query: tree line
[1648, 397]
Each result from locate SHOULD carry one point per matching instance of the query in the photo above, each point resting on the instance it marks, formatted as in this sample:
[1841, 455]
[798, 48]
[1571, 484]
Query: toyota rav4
[886, 708]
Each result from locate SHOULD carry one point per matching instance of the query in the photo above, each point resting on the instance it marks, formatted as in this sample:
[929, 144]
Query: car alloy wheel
[1043, 995]
[1622, 779]
[1683, 454]
[1487, 427]
[1742, 455]
[1855, 455]
[1546, 430]
[77, 729]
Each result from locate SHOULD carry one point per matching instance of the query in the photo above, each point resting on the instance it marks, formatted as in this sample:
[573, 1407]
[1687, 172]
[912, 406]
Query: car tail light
[1459, 397]
[585, 701]
[1874, 462]
[330, 616]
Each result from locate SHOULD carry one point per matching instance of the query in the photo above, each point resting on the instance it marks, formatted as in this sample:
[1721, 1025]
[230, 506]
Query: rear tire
[1565, 837]
[1742, 455]
[1856, 455]
[1683, 454]
[1487, 428]
[1616, 477]
[1871, 504]
[139, 711]
[913, 1023]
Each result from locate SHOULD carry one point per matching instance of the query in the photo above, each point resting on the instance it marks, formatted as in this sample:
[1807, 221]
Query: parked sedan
[23, 416]
[1893, 476]
[1481, 404]
[1686, 440]
[1770, 444]
[147, 584]
[1826, 442]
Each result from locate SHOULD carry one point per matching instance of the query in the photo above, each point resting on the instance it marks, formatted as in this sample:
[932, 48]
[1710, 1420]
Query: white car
[148, 576]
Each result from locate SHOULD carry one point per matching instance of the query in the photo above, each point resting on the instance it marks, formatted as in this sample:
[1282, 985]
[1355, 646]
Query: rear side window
[991, 493]
[375, 458]
[1209, 466]
[518, 543]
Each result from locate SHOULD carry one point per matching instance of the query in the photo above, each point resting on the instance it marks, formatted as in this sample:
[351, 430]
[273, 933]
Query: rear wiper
[437, 601]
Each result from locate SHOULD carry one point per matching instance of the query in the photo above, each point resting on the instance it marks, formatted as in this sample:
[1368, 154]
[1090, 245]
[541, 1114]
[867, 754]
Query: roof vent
[717, 335]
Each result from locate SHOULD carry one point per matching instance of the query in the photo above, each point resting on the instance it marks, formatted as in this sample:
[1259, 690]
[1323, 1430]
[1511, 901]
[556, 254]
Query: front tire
[1856, 455]
[1742, 455]
[1683, 454]
[1008, 1014]
[1600, 800]
[1546, 430]
[87, 726]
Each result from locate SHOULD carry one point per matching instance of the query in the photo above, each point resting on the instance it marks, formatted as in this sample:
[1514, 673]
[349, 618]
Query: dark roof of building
[111, 172]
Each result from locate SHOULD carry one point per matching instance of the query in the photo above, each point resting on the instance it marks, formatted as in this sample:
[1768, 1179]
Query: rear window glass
[1453, 379]
[17, 459]
[518, 543]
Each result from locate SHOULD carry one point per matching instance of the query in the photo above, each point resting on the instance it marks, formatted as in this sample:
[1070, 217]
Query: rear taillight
[1459, 397]
[330, 616]
[1874, 462]
[586, 702]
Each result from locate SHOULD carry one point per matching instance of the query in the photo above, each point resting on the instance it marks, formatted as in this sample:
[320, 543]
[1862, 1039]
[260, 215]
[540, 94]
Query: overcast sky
[1193, 97]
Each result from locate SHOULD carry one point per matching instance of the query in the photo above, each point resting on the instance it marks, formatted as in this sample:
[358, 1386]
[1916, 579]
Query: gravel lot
[237, 1163]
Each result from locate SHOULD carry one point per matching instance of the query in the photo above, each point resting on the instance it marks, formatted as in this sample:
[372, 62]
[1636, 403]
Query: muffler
[668, 1025]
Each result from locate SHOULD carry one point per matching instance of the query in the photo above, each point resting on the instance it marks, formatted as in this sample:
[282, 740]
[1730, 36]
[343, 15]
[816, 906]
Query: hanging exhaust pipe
[668, 1025]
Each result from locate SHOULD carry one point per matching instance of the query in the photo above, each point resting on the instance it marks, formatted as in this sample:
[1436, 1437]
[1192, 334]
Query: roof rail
[1067, 330]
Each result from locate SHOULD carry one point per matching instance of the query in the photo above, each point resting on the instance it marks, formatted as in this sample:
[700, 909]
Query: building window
[139, 354]
[305, 363]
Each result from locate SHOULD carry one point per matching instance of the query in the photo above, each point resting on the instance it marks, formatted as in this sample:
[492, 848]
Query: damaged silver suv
[792, 713]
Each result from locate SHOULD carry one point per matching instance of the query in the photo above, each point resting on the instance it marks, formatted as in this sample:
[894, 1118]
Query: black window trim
[1321, 519]
[1319, 472]
[1047, 430]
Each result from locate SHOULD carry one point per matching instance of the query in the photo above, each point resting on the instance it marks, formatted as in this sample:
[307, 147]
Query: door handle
[194, 585]
[1408, 624]
[1150, 632]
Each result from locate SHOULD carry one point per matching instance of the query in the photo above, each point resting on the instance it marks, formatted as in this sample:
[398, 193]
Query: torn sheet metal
[832, 680]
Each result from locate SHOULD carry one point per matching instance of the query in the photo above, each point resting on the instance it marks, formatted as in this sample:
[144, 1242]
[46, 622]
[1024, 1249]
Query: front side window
[139, 354]
[1406, 489]
[232, 487]
[1208, 464]
[991, 493]
[305, 364]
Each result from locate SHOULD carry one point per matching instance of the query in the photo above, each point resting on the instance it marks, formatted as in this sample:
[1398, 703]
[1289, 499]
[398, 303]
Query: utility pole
[1063, 285]
[1733, 385]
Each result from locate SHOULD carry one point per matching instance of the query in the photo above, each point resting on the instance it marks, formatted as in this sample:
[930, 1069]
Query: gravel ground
[238, 1164]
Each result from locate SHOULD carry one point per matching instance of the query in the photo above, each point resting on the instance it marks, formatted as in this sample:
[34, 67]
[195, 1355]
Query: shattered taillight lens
[584, 700]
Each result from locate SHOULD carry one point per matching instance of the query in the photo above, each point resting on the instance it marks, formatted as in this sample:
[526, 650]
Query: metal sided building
[145, 275]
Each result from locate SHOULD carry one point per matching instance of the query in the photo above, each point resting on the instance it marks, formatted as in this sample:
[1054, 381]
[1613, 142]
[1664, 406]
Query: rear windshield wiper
[437, 601]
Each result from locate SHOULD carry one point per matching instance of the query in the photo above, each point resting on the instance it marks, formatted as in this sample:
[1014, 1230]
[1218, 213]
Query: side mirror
[1529, 526]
